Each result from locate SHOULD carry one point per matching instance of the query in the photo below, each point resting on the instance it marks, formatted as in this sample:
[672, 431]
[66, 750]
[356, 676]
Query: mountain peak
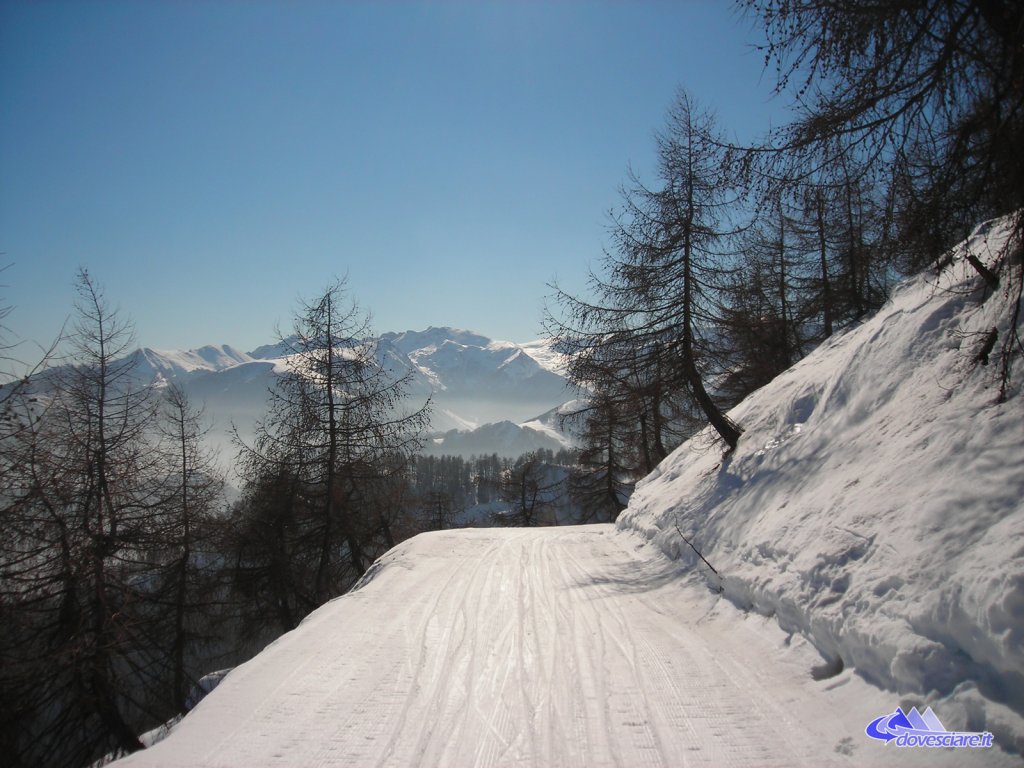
[175, 362]
[435, 336]
[471, 379]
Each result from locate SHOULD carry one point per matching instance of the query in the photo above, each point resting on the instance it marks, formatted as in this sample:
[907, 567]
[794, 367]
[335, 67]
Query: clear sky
[210, 162]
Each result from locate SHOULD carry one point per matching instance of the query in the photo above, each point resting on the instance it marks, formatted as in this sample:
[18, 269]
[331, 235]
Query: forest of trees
[125, 574]
[537, 488]
[736, 261]
[107, 499]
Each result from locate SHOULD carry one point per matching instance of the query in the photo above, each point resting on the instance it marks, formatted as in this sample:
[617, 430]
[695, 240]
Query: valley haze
[486, 396]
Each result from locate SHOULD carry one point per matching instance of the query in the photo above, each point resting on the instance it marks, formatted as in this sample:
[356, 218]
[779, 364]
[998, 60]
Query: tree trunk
[827, 301]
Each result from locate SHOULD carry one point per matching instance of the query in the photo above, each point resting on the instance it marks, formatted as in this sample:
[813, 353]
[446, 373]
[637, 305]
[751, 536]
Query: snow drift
[874, 502]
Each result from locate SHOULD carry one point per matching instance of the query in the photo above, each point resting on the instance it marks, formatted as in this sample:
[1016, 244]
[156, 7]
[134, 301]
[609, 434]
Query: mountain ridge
[482, 390]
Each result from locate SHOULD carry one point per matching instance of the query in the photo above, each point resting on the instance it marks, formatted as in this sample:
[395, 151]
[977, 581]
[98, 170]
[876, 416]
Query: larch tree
[659, 293]
[336, 434]
[192, 493]
[81, 510]
[928, 94]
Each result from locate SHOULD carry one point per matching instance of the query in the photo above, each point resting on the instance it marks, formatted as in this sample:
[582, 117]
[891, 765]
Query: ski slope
[553, 647]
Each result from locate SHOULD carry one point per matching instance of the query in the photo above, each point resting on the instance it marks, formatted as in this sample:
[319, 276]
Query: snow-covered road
[570, 646]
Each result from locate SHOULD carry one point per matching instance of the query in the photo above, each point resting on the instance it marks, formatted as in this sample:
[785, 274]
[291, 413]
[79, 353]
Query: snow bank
[874, 502]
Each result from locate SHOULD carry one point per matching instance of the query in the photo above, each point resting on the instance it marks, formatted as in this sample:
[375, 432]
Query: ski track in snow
[557, 647]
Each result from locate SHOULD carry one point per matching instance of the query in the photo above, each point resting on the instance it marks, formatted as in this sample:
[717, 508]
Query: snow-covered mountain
[505, 438]
[481, 390]
[473, 379]
[479, 379]
[171, 364]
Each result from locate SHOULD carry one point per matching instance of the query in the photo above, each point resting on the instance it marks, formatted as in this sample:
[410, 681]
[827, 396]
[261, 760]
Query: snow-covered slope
[554, 423]
[535, 648]
[547, 354]
[874, 502]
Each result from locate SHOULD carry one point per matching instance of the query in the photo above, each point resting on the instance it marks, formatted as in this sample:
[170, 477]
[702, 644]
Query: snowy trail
[557, 647]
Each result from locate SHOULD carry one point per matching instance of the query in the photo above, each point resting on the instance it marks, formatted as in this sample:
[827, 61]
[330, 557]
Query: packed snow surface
[551, 647]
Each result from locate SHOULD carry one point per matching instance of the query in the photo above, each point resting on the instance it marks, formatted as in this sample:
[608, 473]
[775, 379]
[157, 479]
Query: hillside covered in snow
[876, 502]
[867, 541]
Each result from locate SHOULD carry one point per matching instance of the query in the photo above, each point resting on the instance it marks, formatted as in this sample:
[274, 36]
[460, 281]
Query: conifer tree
[336, 434]
[657, 301]
[82, 509]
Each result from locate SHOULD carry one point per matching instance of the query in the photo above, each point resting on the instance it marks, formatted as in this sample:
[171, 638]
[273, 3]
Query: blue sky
[210, 162]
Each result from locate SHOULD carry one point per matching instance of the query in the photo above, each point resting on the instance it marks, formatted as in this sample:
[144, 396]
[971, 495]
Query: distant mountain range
[486, 396]
[506, 438]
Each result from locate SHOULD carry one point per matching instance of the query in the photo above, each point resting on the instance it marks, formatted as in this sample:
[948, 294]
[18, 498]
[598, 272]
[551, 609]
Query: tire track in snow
[716, 697]
[628, 709]
[471, 712]
[529, 648]
[565, 717]
[433, 638]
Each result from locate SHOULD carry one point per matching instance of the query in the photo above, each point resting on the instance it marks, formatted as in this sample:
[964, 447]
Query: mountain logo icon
[914, 729]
